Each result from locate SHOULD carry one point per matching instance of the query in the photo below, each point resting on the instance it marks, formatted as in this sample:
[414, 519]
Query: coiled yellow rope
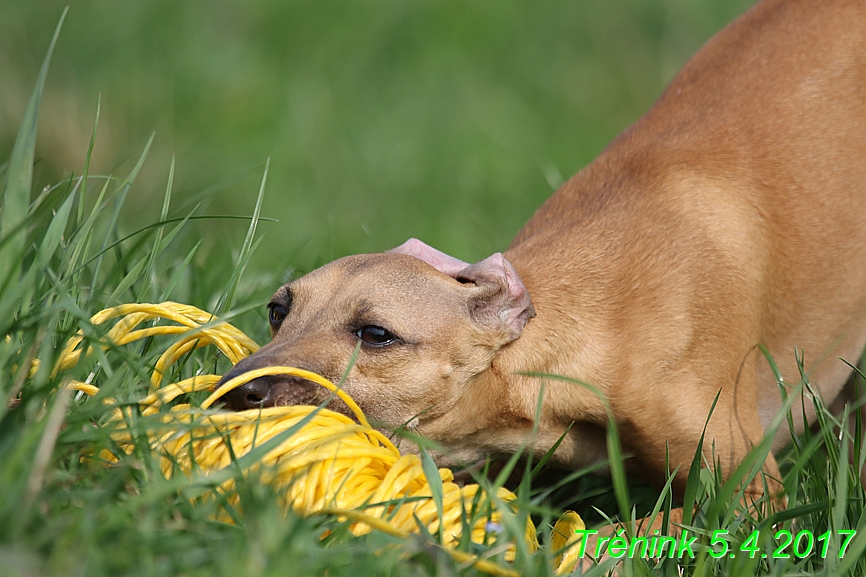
[329, 464]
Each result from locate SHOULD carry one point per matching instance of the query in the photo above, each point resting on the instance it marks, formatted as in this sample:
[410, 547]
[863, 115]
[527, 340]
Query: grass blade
[19, 178]
[157, 242]
[431, 472]
[247, 249]
[83, 198]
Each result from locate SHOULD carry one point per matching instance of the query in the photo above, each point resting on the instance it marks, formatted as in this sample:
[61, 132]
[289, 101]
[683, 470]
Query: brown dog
[732, 214]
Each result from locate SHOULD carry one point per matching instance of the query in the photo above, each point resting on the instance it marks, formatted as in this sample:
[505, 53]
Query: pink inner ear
[437, 259]
[511, 304]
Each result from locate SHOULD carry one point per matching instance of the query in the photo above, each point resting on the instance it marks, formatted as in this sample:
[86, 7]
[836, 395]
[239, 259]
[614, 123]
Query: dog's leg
[734, 428]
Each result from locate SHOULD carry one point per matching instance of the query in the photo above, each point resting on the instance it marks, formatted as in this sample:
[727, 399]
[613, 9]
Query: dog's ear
[437, 259]
[499, 301]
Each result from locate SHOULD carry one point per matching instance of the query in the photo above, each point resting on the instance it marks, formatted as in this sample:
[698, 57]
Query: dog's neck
[581, 305]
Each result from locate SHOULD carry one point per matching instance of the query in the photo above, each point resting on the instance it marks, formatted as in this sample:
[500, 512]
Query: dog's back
[732, 214]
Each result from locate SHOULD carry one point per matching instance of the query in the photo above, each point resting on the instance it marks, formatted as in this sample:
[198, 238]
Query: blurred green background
[384, 119]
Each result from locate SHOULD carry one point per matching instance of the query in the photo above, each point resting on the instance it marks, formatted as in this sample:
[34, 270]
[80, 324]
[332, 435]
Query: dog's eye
[276, 314]
[373, 335]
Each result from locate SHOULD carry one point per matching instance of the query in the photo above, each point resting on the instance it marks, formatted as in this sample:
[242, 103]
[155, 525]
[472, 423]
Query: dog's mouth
[281, 391]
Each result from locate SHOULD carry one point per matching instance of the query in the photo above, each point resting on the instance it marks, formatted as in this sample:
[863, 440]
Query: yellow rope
[329, 465]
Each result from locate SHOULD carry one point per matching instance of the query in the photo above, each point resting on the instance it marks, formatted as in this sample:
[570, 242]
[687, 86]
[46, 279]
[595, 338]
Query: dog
[732, 215]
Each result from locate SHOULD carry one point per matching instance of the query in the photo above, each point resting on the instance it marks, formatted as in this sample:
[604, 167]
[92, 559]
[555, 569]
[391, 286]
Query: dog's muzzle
[271, 391]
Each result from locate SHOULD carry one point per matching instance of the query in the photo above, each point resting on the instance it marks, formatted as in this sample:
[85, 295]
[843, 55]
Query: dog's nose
[268, 391]
[252, 395]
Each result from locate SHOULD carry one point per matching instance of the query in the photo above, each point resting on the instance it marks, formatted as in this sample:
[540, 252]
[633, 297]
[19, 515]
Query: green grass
[445, 120]
[77, 247]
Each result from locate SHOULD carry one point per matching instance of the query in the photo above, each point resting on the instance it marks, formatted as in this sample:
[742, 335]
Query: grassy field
[448, 121]
[441, 155]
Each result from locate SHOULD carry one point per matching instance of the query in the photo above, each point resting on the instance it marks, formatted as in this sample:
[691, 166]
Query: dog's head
[425, 325]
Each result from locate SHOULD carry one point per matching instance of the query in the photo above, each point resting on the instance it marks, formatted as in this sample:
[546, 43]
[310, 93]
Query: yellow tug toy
[325, 463]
